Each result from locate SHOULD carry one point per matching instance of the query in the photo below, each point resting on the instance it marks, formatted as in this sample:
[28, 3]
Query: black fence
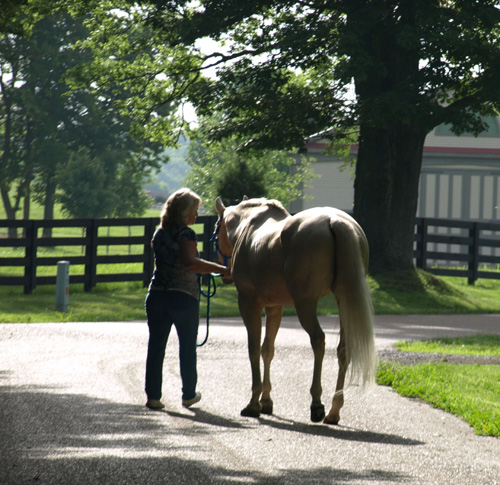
[443, 247]
[95, 245]
[449, 247]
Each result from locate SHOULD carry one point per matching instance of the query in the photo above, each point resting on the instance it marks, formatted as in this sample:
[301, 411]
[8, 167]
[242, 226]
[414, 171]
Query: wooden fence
[443, 247]
[93, 242]
[449, 247]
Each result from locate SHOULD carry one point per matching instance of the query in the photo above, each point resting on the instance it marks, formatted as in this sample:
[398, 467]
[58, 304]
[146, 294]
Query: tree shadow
[404, 287]
[51, 437]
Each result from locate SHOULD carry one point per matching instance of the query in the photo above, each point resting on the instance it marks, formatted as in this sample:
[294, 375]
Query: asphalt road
[72, 412]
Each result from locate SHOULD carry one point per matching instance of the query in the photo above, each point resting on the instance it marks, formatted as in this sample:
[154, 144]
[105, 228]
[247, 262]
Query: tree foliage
[132, 60]
[220, 168]
[283, 73]
[288, 65]
[44, 129]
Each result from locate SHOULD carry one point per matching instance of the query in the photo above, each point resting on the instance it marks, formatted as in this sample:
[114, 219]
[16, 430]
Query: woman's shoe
[187, 403]
[154, 404]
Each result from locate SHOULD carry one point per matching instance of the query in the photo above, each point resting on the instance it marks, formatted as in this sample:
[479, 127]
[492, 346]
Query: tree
[10, 117]
[286, 69]
[218, 168]
[16, 22]
[45, 127]
[91, 187]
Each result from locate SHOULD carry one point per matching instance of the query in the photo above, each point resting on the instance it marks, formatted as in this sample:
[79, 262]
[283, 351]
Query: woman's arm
[190, 259]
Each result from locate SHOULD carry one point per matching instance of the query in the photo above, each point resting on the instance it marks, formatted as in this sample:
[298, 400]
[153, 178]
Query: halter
[215, 240]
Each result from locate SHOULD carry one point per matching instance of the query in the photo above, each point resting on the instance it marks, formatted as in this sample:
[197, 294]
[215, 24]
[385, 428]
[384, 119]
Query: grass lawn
[471, 392]
[486, 345]
[396, 294]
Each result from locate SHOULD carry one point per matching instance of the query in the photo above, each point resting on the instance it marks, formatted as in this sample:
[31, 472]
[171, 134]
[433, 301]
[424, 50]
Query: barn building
[460, 179]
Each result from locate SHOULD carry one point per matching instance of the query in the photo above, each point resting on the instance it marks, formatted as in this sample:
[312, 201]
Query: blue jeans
[164, 308]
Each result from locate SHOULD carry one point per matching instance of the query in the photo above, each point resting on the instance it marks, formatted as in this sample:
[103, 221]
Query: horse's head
[223, 245]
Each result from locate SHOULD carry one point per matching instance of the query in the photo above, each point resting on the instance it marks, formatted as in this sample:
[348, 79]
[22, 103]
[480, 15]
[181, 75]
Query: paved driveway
[72, 411]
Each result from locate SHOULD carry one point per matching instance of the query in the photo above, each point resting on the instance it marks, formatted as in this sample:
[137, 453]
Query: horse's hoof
[317, 413]
[249, 412]
[267, 407]
[332, 421]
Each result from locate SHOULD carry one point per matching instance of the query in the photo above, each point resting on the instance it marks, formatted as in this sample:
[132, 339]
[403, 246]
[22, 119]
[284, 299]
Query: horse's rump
[309, 254]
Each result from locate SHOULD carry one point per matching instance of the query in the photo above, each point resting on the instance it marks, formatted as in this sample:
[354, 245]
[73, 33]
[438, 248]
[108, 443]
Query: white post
[62, 286]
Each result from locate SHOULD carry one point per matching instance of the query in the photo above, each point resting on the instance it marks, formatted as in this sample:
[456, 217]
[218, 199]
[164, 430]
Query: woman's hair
[178, 207]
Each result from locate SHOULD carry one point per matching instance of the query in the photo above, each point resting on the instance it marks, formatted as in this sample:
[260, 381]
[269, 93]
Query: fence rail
[449, 247]
[92, 243]
[442, 246]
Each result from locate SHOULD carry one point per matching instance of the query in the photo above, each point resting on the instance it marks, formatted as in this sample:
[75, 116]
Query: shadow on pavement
[49, 437]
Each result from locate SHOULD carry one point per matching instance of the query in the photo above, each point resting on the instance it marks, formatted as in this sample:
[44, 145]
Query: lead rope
[211, 280]
[207, 294]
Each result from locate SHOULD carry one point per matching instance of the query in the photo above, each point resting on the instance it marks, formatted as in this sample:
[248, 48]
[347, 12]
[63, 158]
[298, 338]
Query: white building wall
[460, 178]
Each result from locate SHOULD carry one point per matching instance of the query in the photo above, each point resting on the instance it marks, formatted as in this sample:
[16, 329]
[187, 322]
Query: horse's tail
[354, 299]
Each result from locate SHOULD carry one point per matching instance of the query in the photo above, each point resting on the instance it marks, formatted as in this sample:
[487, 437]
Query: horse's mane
[250, 203]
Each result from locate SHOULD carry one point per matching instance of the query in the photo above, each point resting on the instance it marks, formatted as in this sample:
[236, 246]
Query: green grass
[106, 302]
[471, 392]
[408, 292]
[36, 211]
[486, 345]
[125, 301]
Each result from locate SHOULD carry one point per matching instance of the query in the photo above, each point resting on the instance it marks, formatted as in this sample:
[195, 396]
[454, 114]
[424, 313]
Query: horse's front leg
[250, 313]
[273, 321]
[333, 416]
[306, 311]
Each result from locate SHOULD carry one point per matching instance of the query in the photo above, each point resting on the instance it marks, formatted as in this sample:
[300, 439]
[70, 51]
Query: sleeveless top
[170, 273]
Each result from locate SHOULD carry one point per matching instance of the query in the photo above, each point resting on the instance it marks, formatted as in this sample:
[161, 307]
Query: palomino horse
[277, 260]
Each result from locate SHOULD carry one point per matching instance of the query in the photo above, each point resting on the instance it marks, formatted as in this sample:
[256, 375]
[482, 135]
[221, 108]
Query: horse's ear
[219, 206]
[245, 197]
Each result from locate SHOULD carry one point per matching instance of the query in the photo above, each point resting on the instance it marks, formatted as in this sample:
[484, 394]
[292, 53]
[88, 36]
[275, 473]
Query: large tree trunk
[386, 192]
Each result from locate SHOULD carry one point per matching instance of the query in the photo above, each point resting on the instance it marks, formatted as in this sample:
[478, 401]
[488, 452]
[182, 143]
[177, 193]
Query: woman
[173, 296]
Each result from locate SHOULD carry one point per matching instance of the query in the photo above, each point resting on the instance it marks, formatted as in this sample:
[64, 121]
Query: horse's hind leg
[333, 416]
[306, 312]
[273, 321]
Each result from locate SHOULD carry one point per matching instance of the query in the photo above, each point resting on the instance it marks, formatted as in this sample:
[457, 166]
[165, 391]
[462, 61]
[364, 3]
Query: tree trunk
[9, 210]
[48, 211]
[386, 192]
[27, 200]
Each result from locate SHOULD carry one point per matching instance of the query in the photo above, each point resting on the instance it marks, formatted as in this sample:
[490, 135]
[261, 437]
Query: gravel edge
[412, 358]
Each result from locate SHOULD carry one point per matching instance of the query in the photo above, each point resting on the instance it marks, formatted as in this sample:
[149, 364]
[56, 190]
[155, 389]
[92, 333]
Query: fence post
[149, 229]
[422, 229]
[473, 253]
[91, 256]
[30, 255]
